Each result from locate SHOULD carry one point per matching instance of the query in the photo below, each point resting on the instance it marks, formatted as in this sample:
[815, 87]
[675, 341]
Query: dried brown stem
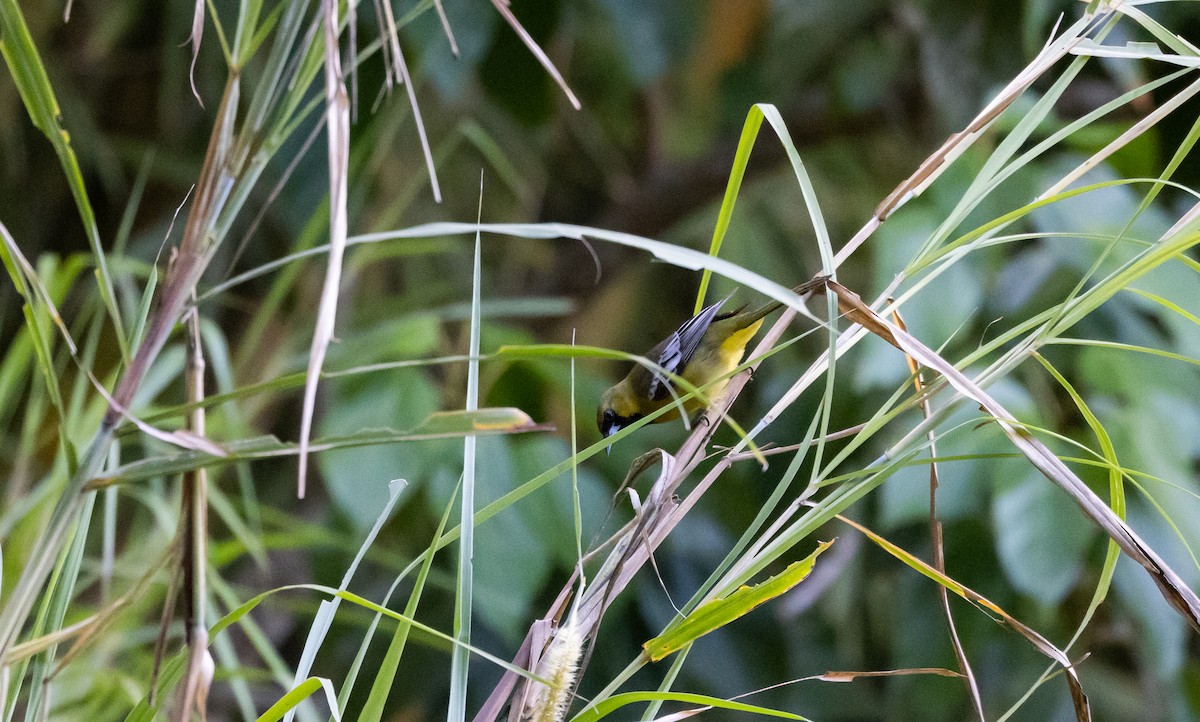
[936, 539]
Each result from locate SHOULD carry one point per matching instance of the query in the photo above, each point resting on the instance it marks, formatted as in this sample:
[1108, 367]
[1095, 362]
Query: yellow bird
[702, 350]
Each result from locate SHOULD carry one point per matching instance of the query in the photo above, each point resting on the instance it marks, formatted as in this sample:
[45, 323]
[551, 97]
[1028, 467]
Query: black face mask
[611, 423]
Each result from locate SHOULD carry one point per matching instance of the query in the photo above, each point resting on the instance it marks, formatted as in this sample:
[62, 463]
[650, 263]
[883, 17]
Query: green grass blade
[143, 310]
[56, 602]
[29, 75]
[464, 595]
[368, 604]
[824, 245]
[328, 608]
[385, 678]
[617, 701]
[243, 34]
[171, 673]
[737, 173]
[754, 119]
[441, 425]
[1117, 499]
[576, 505]
[288, 703]
[221, 363]
[669, 678]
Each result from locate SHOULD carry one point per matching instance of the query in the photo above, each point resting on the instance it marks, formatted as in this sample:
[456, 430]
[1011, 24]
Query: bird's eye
[609, 416]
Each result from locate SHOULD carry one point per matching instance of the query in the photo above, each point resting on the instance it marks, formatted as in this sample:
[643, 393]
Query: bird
[704, 349]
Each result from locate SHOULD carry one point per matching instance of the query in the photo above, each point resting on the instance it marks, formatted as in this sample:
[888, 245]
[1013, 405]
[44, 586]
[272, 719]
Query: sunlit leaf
[719, 612]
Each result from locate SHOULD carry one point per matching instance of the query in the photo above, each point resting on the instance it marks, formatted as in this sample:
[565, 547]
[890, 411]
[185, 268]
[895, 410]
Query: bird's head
[618, 409]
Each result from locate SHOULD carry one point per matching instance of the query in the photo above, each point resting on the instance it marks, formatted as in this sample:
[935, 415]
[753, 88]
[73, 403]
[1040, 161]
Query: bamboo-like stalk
[194, 518]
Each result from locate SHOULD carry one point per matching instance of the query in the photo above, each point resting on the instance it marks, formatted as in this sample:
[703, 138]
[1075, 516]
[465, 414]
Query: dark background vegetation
[868, 90]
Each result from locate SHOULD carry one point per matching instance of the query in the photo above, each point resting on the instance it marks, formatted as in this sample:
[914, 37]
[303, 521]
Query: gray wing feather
[680, 346]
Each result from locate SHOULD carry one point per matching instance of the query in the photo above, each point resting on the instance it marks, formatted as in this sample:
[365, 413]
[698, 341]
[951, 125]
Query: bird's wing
[677, 350]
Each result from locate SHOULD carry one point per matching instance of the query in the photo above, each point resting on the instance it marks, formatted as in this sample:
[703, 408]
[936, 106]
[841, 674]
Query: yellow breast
[712, 361]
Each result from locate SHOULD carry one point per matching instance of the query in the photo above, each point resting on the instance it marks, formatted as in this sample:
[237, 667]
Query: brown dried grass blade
[400, 69]
[1172, 587]
[851, 676]
[504, 689]
[197, 34]
[956, 144]
[507, 14]
[630, 547]
[337, 124]
[936, 539]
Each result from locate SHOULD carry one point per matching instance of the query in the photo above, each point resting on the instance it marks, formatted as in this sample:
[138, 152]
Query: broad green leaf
[1041, 539]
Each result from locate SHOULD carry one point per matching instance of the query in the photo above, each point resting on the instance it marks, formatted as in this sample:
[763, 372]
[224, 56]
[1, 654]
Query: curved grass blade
[617, 701]
[675, 255]
[287, 703]
[1173, 588]
[440, 425]
[1113, 553]
[328, 609]
[754, 119]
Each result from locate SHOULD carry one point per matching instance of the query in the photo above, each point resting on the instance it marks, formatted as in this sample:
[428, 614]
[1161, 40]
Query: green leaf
[719, 612]
[438, 426]
[456, 423]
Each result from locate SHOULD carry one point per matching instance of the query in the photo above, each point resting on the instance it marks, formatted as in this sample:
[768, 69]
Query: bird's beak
[609, 432]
